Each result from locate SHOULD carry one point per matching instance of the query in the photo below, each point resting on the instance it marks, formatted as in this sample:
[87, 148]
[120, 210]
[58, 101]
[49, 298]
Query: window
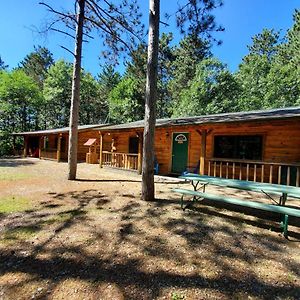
[133, 144]
[238, 146]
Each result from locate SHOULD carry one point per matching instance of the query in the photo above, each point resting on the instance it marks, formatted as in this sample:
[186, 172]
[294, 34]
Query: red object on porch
[36, 153]
[90, 142]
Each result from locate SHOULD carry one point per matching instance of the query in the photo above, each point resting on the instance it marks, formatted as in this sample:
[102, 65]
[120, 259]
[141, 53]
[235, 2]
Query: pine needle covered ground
[95, 239]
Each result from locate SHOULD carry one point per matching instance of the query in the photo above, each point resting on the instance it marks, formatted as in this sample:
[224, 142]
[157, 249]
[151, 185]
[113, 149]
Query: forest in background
[191, 81]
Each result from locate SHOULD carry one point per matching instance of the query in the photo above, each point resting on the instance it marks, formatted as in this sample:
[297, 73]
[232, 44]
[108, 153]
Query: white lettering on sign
[180, 138]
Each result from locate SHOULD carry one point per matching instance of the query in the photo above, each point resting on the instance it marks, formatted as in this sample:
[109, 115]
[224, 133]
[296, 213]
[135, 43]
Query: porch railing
[49, 153]
[257, 171]
[127, 161]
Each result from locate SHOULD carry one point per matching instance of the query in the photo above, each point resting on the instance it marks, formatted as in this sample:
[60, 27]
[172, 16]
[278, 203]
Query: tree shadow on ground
[143, 285]
[126, 180]
[106, 180]
[147, 249]
[16, 162]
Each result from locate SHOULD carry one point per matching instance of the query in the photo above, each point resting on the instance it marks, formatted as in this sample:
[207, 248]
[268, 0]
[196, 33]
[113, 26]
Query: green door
[180, 152]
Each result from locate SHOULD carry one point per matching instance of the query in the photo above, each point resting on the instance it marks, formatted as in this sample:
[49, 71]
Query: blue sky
[241, 19]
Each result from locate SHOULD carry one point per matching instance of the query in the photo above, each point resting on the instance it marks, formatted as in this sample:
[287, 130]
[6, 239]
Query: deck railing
[127, 161]
[257, 171]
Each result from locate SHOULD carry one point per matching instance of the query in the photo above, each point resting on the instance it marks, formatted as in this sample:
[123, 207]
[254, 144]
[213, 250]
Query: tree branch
[166, 24]
[108, 31]
[51, 9]
[94, 5]
[63, 32]
[67, 50]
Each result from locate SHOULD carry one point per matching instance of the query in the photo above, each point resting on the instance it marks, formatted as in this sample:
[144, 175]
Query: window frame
[263, 141]
[133, 137]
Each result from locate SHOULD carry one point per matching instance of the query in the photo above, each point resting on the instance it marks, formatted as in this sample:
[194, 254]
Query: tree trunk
[74, 113]
[148, 193]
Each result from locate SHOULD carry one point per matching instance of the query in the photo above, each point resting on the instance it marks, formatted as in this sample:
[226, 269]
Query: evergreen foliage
[3, 66]
[20, 102]
[37, 63]
[190, 82]
[57, 94]
[126, 104]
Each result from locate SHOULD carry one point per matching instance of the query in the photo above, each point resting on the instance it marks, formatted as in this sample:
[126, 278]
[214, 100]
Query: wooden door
[180, 148]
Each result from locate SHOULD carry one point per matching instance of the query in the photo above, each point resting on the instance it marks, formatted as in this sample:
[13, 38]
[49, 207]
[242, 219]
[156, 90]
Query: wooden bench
[282, 210]
[277, 189]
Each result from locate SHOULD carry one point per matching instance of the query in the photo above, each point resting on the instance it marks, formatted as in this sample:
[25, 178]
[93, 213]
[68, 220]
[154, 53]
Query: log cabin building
[53, 143]
[260, 146]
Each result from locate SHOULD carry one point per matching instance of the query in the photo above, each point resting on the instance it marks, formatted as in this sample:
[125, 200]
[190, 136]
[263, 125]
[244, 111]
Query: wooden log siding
[281, 144]
[257, 171]
[49, 154]
[203, 150]
[83, 136]
[100, 150]
[58, 155]
[140, 153]
[51, 151]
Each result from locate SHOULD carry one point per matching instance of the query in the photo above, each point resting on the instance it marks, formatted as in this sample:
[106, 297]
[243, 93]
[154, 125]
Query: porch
[204, 150]
[249, 170]
[51, 147]
[257, 171]
[128, 161]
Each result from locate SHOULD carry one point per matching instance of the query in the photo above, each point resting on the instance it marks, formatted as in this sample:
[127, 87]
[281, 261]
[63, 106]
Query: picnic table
[282, 190]
[267, 188]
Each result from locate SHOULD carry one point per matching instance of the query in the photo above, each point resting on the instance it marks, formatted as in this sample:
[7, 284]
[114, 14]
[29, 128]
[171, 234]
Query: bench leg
[283, 199]
[181, 202]
[187, 205]
[284, 225]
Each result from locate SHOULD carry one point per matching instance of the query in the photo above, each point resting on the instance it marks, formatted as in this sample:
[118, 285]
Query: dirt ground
[95, 239]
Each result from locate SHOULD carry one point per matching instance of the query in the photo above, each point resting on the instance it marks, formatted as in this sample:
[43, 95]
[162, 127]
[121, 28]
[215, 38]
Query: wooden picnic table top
[245, 185]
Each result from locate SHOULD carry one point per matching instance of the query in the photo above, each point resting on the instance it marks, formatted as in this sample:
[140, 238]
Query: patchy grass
[95, 239]
[63, 217]
[14, 204]
[20, 233]
[177, 296]
[9, 175]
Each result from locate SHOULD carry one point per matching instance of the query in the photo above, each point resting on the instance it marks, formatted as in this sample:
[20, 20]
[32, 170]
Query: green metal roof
[280, 113]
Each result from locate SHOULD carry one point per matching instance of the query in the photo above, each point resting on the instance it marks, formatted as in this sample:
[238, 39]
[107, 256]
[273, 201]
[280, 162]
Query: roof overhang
[251, 116]
[58, 130]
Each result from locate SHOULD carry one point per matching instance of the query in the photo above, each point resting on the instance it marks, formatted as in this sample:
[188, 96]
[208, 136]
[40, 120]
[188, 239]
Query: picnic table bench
[282, 190]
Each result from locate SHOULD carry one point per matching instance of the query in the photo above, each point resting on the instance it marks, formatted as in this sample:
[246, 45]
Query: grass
[11, 176]
[60, 218]
[177, 296]
[14, 204]
[63, 217]
[19, 233]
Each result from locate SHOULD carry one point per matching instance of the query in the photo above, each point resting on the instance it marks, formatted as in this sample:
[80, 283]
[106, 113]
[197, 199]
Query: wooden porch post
[140, 153]
[101, 149]
[14, 144]
[58, 148]
[25, 146]
[41, 139]
[203, 151]
[113, 158]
